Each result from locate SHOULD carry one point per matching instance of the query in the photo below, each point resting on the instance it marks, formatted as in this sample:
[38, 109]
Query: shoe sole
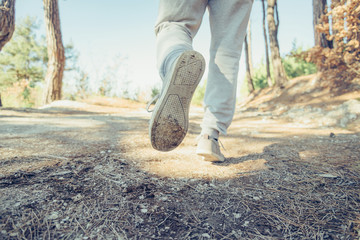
[210, 157]
[170, 119]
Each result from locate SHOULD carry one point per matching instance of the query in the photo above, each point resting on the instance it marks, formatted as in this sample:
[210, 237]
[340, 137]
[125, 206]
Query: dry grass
[106, 197]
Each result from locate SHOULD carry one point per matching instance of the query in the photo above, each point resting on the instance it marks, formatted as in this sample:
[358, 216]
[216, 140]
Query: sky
[105, 31]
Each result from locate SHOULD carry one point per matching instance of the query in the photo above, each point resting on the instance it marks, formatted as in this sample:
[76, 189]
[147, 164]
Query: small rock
[353, 106]
[53, 216]
[237, 215]
[205, 235]
[77, 198]
[163, 198]
[57, 225]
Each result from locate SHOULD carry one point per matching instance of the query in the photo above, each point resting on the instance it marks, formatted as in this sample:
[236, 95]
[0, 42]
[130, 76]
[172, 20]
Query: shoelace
[151, 102]
[216, 139]
[221, 145]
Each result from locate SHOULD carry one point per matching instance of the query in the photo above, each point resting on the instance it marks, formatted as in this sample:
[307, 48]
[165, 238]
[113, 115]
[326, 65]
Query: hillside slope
[308, 99]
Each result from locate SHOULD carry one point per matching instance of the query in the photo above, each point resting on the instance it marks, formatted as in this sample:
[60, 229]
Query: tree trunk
[334, 31]
[56, 55]
[268, 75]
[7, 21]
[250, 48]
[249, 79]
[279, 71]
[319, 8]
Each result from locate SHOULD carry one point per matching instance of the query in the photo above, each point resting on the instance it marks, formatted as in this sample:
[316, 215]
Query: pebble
[205, 235]
[53, 215]
[237, 215]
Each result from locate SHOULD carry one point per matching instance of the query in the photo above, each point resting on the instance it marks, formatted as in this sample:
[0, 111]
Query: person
[181, 69]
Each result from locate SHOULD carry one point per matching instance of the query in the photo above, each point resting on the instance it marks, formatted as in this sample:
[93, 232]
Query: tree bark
[273, 25]
[250, 48]
[319, 8]
[249, 79]
[268, 75]
[56, 53]
[334, 31]
[7, 21]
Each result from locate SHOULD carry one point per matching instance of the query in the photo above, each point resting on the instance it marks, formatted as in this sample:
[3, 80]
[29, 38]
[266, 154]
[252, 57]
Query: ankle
[213, 133]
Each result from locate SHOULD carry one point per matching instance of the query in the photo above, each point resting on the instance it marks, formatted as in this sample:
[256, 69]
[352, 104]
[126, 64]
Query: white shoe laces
[221, 145]
[151, 102]
[216, 139]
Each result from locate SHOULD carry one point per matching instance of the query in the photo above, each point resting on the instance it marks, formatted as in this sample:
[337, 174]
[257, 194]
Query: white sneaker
[209, 149]
[170, 119]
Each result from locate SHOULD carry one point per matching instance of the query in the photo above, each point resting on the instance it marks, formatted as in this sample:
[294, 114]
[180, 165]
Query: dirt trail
[76, 170]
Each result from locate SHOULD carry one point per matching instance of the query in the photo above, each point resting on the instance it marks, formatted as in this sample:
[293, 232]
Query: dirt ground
[86, 170]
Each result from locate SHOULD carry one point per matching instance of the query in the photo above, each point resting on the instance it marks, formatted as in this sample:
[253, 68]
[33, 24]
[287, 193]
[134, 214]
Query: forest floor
[86, 170]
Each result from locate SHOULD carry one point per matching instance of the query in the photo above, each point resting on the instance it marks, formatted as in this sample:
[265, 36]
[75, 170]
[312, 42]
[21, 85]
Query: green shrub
[199, 94]
[260, 77]
[294, 65]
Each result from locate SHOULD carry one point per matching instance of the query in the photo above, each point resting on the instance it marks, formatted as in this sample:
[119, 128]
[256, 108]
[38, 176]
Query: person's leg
[177, 24]
[228, 23]
[180, 68]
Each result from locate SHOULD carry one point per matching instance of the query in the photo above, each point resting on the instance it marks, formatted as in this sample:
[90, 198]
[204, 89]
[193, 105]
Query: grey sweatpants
[177, 24]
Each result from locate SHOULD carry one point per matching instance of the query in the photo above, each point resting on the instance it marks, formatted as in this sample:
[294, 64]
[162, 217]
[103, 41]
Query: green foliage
[260, 77]
[23, 63]
[154, 91]
[296, 66]
[24, 57]
[71, 56]
[199, 94]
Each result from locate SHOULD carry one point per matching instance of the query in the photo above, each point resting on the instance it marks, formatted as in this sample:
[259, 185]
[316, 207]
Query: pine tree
[248, 60]
[319, 11]
[23, 58]
[273, 26]
[268, 75]
[56, 52]
[7, 21]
